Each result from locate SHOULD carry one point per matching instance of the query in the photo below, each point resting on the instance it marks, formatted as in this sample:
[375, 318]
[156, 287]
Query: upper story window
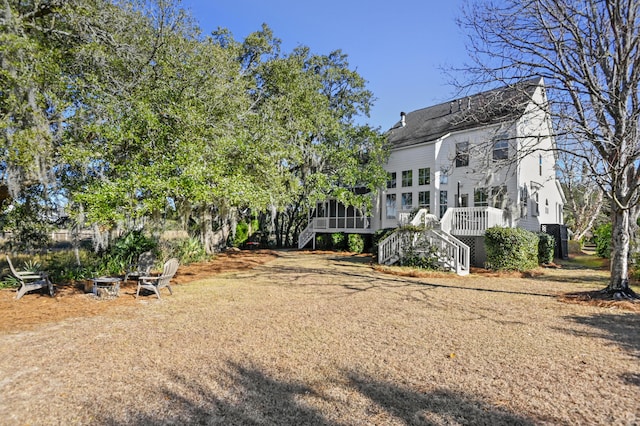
[407, 178]
[424, 176]
[462, 154]
[444, 175]
[391, 180]
[540, 164]
[501, 149]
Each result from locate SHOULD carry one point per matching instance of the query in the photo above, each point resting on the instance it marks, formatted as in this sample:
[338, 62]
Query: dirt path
[324, 339]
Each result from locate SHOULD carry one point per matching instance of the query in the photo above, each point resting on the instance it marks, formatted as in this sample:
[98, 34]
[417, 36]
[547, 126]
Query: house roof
[490, 107]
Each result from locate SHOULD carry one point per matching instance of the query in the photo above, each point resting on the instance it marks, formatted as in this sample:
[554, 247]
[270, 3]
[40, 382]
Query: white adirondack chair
[154, 284]
[30, 281]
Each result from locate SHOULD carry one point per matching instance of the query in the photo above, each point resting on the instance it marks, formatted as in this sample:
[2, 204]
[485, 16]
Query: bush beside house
[513, 249]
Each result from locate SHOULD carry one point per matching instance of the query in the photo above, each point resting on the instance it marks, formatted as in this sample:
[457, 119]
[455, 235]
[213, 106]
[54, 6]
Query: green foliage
[323, 242]
[422, 258]
[546, 247]
[126, 250]
[602, 236]
[355, 243]
[187, 250]
[338, 241]
[242, 234]
[9, 281]
[511, 249]
[244, 231]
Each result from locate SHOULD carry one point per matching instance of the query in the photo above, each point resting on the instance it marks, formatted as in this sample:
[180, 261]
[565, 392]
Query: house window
[500, 149]
[443, 203]
[407, 178]
[498, 196]
[424, 176]
[391, 206]
[536, 207]
[540, 164]
[524, 201]
[391, 180]
[480, 197]
[462, 154]
[444, 176]
[424, 200]
[407, 200]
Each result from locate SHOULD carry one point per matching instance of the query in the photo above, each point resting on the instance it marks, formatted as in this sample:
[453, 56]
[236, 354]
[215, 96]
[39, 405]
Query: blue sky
[398, 48]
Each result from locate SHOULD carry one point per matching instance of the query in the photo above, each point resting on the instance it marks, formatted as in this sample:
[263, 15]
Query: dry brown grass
[324, 339]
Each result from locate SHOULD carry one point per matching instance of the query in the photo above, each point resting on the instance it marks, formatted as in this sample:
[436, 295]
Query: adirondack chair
[146, 261]
[156, 283]
[30, 281]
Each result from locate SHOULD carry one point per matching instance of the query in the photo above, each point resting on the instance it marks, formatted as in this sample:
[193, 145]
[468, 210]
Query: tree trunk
[619, 282]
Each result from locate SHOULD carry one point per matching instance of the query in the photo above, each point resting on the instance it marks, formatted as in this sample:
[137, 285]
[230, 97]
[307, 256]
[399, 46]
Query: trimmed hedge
[546, 247]
[512, 249]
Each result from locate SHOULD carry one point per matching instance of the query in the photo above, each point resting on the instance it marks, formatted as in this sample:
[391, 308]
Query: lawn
[323, 338]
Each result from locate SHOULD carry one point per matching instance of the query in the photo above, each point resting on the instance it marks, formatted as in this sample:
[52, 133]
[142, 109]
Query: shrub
[422, 258]
[187, 250]
[338, 241]
[356, 243]
[511, 249]
[125, 251]
[242, 234]
[546, 247]
[602, 236]
[321, 242]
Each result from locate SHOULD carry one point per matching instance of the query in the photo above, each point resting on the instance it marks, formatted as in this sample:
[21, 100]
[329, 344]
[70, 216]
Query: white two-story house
[475, 162]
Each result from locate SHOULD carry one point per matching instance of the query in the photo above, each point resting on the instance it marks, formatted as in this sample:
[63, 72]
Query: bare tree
[588, 52]
[585, 199]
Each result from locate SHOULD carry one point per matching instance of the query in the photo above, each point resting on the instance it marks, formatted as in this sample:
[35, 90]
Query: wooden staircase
[451, 253]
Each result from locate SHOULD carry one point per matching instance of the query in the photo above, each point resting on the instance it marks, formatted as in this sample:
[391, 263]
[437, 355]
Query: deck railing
[452, 254]
[306, 235]
[471, 221]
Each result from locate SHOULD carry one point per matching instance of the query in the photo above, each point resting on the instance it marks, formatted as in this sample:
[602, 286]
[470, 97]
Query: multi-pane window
[443, 203]
[536, 205]
[498, 194]
[501, 149]
[407, 178]
[424, 176]
[407, 201]
[391, 180]
[424, 200]
[391, 206]
[444, 176]
[480, 197]
[462, 154]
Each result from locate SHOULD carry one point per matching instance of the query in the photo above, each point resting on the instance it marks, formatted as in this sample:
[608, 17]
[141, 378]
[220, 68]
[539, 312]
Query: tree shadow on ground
[250, 396]
[440, 406]
[621, 329]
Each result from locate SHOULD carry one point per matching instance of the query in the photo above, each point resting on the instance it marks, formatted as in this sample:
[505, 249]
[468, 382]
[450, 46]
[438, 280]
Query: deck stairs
[307, 235]
[451, 253]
